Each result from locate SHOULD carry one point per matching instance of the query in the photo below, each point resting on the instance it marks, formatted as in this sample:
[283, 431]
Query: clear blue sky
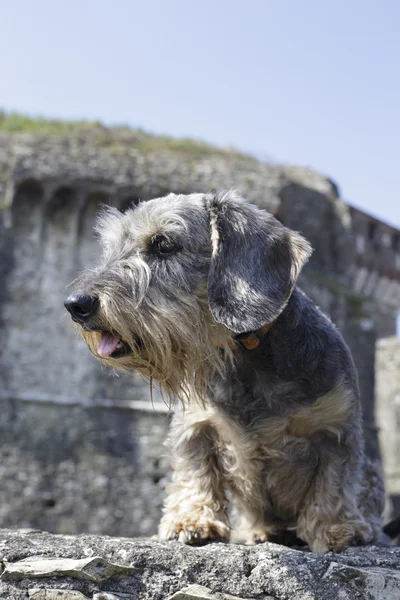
[308, 82]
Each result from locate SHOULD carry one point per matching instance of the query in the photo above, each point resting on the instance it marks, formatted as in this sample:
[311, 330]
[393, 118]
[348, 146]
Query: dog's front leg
[195, 510]
[331, 518]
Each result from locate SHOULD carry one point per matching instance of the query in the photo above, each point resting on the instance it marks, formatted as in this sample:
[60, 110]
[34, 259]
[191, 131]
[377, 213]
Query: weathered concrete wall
[388, 415]
[71, 468]
[92, 465]
[376, 265]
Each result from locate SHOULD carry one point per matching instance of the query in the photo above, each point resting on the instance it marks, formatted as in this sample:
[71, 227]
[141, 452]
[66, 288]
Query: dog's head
[179, 277]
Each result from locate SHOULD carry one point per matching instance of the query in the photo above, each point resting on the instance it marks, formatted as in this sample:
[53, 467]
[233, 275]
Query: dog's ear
[255, 263]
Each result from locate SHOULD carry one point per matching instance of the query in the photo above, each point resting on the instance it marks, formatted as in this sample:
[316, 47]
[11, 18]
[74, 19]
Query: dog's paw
[195, 532]
[339, 537]
[259, 537]
[284, 537]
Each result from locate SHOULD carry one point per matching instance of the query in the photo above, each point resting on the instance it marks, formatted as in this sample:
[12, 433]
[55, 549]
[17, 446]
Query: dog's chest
[264, 465]
[264, 440]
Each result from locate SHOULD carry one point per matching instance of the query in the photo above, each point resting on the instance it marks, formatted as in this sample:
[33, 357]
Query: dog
[198, 292]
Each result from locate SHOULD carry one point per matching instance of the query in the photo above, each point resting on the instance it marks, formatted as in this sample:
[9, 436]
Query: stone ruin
[82, 448]
[81, 439]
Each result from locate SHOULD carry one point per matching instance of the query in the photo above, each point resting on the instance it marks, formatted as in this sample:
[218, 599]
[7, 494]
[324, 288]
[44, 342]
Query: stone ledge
[44, 566]
[141, 405]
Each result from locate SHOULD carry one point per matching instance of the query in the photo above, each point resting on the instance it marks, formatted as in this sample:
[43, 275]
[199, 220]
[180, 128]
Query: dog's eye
[164, 245]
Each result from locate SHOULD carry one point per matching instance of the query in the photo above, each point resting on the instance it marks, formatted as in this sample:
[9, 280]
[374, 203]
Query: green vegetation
[16, 123]
[117, 138]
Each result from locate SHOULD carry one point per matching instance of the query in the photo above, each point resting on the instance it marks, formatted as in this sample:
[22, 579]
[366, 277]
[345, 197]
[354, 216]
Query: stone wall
[81, 447]
[376, 258]
[73, 467]
[388, 415]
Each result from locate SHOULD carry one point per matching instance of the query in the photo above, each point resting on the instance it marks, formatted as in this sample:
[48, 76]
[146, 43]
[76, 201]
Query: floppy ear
[254, 265]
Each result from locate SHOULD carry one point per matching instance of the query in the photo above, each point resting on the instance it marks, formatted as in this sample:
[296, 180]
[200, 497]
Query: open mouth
[111, 345]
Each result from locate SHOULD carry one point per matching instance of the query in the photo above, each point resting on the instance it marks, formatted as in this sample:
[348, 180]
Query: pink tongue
[108, 343]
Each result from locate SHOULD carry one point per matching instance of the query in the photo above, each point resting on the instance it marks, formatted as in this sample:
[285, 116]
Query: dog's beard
[179, 346]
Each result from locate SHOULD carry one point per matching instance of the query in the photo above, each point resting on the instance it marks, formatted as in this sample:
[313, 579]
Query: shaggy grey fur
[277, 428]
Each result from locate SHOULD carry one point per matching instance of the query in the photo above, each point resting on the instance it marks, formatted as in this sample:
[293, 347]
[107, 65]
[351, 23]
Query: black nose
[81, 307]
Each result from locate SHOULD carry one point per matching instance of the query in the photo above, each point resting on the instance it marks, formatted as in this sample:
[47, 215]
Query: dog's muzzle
[82, 308]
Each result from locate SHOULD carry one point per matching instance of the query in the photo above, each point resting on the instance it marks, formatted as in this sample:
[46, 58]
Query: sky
[306, 82]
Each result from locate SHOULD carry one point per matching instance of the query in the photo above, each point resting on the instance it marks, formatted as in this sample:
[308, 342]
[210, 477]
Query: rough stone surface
[77, 454]
[39, 565]
[40, 594]
[200, 592]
